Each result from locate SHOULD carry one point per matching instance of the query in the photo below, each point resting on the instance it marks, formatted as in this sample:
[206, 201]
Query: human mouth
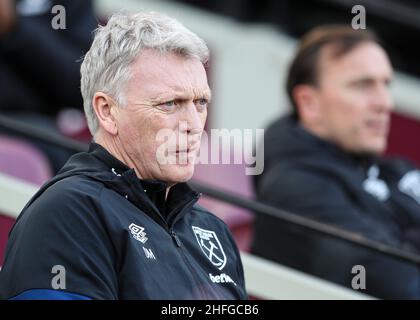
[182, 151]
[379, 127]
[189, 149]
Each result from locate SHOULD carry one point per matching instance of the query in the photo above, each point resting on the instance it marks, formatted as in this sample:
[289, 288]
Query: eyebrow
[370, 79]
[178, 95]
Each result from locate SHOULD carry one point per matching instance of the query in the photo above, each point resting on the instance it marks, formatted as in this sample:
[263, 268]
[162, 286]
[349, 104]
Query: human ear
[104, 107]
[307, 102]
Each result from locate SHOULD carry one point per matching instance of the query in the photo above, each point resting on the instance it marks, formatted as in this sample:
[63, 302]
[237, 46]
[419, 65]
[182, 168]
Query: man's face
[167, 93]
[354, 98]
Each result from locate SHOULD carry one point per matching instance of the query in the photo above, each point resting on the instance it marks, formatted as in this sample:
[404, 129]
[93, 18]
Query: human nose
[193, 119]
[382, 99]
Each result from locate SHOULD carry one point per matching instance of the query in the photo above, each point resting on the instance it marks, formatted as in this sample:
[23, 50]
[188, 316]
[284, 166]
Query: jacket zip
[177, 241]
[175, 238]
[181, 250]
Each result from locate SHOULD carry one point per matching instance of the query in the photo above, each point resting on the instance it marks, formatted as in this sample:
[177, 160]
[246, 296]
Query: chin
[377, 148]
[180, 173]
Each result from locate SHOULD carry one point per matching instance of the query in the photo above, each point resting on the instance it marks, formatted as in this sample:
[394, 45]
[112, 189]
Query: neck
[116, 150]
[314, 129]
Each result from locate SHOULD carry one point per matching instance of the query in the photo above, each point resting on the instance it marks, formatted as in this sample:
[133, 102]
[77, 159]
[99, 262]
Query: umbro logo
[138, 233]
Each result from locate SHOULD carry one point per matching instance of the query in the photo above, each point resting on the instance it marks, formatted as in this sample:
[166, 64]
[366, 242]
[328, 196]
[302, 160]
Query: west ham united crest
[211, 246]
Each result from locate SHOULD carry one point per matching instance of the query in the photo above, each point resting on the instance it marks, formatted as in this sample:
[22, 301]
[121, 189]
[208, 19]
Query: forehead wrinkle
[184, 93]
[170, 81]
[191, 91]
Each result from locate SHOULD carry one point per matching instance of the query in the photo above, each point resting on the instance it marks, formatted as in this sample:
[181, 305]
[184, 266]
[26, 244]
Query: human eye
[388, 82]
[364, 83]
[167, 106]
[201, 103]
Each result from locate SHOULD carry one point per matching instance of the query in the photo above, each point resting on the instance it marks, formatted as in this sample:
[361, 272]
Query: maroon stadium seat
[23, 161]
[403, 138]
[232, 178]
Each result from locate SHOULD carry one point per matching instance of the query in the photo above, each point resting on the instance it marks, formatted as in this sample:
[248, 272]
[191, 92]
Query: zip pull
[175, 238]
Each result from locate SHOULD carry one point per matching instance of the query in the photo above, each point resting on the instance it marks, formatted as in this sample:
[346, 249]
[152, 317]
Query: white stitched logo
[149, 253]
[221, 278]
[138, 233]
[410, 184]
[211, 246]
[375, 186]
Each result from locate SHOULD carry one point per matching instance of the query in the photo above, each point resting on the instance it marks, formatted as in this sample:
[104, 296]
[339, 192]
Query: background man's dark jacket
[118, 238]
[313, 178]
[39, 65]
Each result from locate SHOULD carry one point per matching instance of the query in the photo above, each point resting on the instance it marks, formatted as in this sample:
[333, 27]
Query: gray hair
[107, 65]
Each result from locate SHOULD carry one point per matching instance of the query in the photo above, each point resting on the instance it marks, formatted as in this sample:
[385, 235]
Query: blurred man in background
[39, 65]
[324, 162]
[40, 61]
[120, 221]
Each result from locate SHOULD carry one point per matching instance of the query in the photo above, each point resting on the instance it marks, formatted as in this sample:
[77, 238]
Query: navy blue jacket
[376, 198]
[116, 237]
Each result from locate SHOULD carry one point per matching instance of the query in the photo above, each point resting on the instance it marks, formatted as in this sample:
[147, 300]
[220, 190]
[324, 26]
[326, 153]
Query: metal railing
[264, 279]
[23, 129]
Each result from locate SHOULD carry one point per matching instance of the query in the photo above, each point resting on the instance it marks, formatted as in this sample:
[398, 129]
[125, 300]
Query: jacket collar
[147, 195]
[291, 139]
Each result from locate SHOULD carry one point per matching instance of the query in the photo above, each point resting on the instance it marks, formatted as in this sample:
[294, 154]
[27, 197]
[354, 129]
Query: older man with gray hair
[119, 221]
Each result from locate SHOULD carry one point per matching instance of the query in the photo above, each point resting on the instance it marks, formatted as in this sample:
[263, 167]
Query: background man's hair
[304, 68]
[106, 66]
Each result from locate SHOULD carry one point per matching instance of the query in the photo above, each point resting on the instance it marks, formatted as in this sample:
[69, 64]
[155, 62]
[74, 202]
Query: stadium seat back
[23, 161]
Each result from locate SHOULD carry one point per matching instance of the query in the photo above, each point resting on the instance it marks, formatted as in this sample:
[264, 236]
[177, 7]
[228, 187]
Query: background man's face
[167, 92]
[354, 98]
